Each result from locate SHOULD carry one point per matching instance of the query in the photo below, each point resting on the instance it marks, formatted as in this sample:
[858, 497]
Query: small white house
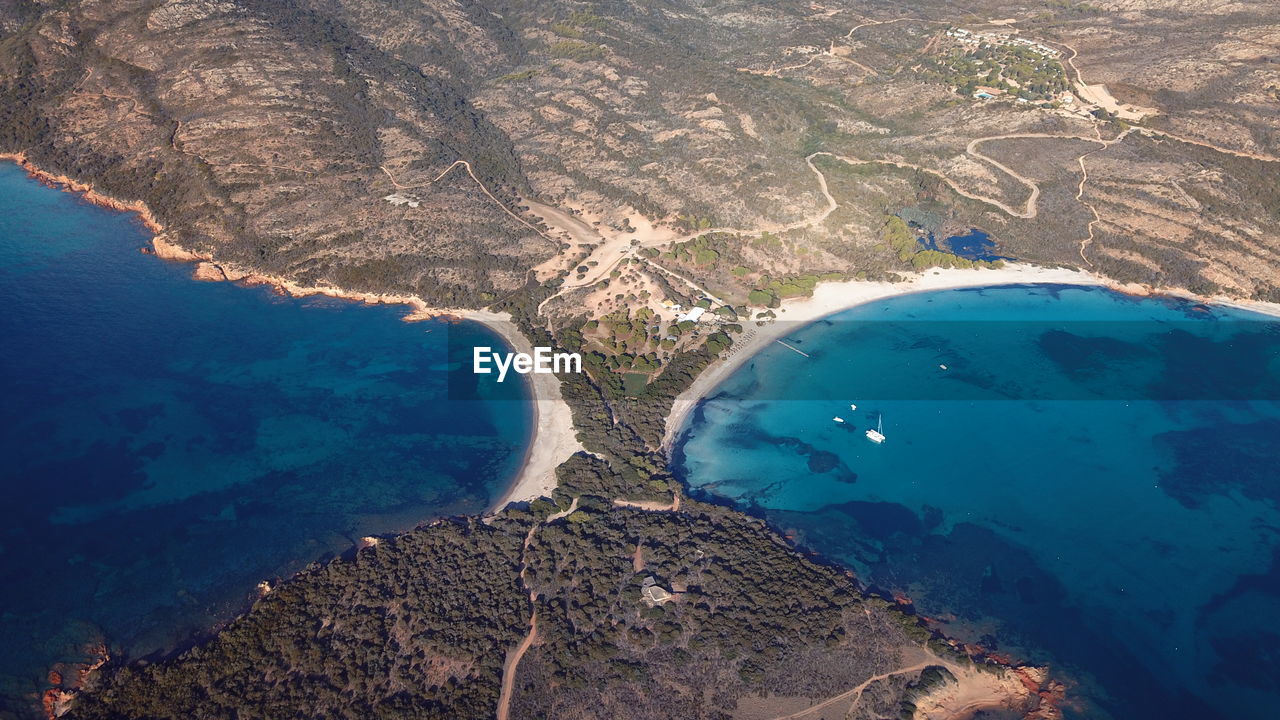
[692, 315]
[402, 199]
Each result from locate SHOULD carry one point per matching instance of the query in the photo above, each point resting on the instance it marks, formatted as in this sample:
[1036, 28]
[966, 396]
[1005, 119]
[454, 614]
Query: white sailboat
[877, 435]
[838, 419]
[853, 407]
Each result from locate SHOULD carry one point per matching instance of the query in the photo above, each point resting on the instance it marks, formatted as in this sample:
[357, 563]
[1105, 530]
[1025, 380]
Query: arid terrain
[389, 148]
[639, 181]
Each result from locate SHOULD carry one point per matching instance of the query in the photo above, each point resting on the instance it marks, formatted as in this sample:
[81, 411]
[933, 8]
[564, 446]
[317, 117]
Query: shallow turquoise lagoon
[1091, 481]
[167, 444]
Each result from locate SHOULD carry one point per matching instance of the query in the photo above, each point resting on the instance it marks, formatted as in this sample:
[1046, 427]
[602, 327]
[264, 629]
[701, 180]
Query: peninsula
[664, 191]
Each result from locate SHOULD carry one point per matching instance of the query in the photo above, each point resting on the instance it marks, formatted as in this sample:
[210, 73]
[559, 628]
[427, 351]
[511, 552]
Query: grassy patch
[633, 383]
[518, 76]
[576, 50]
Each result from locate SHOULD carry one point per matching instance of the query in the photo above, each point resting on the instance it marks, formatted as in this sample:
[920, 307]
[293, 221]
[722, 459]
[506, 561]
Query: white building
[692, 315]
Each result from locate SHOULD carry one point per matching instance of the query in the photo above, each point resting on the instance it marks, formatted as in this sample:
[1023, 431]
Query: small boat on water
[853, 407]
[838, 419]
[944, 367]
[877, 435]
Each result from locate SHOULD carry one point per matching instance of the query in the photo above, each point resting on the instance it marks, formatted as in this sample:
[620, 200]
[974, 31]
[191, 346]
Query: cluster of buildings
[975, 39]
[983, 92]
[693, 314]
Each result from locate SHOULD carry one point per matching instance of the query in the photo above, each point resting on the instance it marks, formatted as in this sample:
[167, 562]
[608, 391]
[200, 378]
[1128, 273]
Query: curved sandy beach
[553, 439]
[830, 298]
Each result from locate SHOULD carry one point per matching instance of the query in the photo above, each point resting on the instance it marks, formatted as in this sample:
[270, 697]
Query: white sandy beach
[830, 298]
[554, 437]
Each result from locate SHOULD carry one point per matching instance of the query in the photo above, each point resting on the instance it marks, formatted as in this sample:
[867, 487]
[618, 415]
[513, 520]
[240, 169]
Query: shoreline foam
[553, 438]
[832, 298]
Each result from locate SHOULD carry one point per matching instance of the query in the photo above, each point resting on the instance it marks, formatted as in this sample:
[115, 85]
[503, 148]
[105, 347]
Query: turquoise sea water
[1093, 481]
[167, 443]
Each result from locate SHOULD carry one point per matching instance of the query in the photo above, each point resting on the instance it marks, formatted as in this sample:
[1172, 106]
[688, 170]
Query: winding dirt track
[774, 227]
[515, 654]
[611, 251]
[651, 505]
[584, 233]
[509, 668]
[856, 693]
[1070, 61]
[481, 185]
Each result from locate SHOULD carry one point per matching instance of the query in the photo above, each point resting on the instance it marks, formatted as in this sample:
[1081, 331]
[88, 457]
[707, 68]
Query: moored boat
[877, 435]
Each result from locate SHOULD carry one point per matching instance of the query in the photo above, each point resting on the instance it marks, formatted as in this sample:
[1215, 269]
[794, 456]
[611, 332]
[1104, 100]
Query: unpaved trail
[1026, 213]
[856, 693]
[563, 513]
[509, 668]
[973, 689]
[612, 251]
[1031, 209]
[512, 661]
[670, 273]
[651, 505]
[810, 221]
[514, 655]
[479, 184]
[871, 23]
[1070, 61]
[1084, 178]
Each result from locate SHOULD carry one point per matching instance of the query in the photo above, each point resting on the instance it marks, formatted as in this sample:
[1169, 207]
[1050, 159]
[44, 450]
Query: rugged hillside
[738, 148]
[268, 133]
[538, 615]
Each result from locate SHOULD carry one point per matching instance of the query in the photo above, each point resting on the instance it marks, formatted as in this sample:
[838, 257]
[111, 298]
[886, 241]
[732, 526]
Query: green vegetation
[1017, 70]
[634, 383]
[567, 30]
[718, 343]
[407, 629]
[935, 258]
[586, 19]
[763, 297]
[693, 222]
[518, 76]
[610, 652]
[901, 239]
[1070, 7]
[418, 626]
[699, 251]
[775, 290]
[576, 50]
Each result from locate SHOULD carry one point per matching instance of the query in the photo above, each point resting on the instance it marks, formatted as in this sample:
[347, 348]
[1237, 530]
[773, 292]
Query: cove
[169, 443]
[1090, 482]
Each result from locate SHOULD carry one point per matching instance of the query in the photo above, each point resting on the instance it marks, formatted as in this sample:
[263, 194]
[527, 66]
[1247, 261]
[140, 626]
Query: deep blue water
[973, 245]
[1092, 481]
[168, 443]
